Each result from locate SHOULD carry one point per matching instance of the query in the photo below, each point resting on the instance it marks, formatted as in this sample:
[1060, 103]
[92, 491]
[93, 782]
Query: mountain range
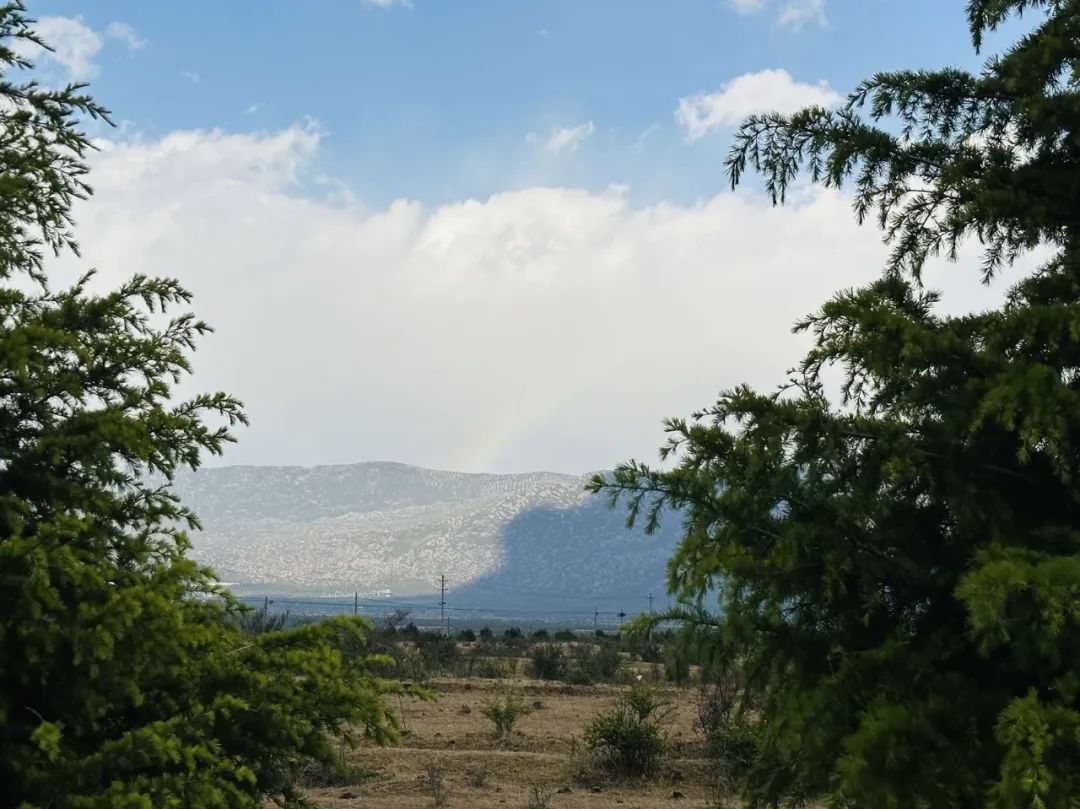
[535, 539]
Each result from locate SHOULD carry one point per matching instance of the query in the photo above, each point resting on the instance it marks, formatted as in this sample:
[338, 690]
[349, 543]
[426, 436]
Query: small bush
[548, 662]
[315, 774]
[579, 675]
[439, 652]
[504, 709]
[435, 783]
[260, 621]
[486, 633]
[564, 635]
[628, 740]
[466, 636]
[731, 740]
[491, 668]
[477, 776]
[592, 664]
[539, 798]
[541, 634]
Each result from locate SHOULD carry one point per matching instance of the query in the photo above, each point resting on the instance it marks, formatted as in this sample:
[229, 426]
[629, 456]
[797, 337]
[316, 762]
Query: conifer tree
[897, 567]
[123, 680]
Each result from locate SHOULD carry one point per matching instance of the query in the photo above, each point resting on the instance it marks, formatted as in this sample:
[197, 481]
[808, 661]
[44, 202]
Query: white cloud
[388, 3]
[251, 109]
[746, 6]
[191, 76]
[74, 46]
[766, 91]
[126, 34]
[797, 13]
[563, 139]
[645, 134]
[538, 328]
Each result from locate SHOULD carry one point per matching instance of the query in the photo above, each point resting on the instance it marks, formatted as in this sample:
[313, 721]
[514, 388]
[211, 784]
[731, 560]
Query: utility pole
[595, 618]
[650, 603]
[442, 604]
[355, 603]
[266, 603]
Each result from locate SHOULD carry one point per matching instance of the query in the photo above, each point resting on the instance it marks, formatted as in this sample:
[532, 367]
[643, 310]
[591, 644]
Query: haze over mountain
[514, 540]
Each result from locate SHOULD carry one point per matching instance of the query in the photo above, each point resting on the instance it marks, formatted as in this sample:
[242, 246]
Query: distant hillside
[527, 539]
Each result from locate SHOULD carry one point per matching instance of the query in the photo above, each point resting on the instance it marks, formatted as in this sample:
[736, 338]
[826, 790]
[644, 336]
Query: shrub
[579, 675]
[477, 775]
[627, 740]
[598, 663]
[548, 662]
[466, 636]
[564, 635]
[439, 652]
[731, 740]
[504, 708]
[491, 668]
[539, 798]
[486, 633]
[260, 621]
[541, 634]
[435, 783]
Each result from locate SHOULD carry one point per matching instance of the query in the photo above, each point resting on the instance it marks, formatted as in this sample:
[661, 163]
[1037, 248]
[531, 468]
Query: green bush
[722, 717]
[439, 652]
[548, 662]
[628, 740]
[598, 663]
[504, 708]
[579, 675]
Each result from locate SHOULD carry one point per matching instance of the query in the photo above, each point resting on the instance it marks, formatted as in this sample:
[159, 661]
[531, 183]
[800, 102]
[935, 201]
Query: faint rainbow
[515, 420]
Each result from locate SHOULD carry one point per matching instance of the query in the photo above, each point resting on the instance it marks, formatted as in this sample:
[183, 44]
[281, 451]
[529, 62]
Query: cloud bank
[540, 328]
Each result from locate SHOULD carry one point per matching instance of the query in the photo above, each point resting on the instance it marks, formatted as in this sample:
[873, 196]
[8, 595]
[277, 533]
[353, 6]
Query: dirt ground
[544, 751]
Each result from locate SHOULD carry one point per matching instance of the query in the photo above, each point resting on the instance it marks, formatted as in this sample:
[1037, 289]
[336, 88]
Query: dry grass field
[540, 764]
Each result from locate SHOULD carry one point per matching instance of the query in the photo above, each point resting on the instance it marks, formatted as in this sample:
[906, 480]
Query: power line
[442, 604]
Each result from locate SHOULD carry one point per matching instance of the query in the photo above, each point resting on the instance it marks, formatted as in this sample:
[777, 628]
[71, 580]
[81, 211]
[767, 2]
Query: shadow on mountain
[572, 561]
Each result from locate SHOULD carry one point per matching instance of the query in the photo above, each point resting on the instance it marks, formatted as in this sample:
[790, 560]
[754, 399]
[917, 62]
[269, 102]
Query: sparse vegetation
[477, 775]
[539, 798]
[504, 708]
[628, 740]
[435, 783]
[547, 661]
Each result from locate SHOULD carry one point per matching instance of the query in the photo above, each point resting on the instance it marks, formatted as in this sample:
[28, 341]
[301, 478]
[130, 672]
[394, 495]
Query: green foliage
[899, 570]
[438, 652]
[593, 663]
[503, 707]
[126, 676]
[628, 740]
[547, 661]
[260, 620]
[467, 636]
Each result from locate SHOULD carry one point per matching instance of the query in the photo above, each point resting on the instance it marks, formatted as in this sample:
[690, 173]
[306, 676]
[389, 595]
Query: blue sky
[434, 100]
[477, 234]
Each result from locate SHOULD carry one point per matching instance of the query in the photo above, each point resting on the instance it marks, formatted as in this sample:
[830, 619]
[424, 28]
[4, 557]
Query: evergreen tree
[124, 680]
[899, 571]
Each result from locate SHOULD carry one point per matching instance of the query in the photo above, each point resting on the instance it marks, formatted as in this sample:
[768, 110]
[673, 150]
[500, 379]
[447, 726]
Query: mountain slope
[526, 539]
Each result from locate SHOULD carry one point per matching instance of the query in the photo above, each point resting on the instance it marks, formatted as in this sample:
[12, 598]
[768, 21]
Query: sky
[480, 235]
